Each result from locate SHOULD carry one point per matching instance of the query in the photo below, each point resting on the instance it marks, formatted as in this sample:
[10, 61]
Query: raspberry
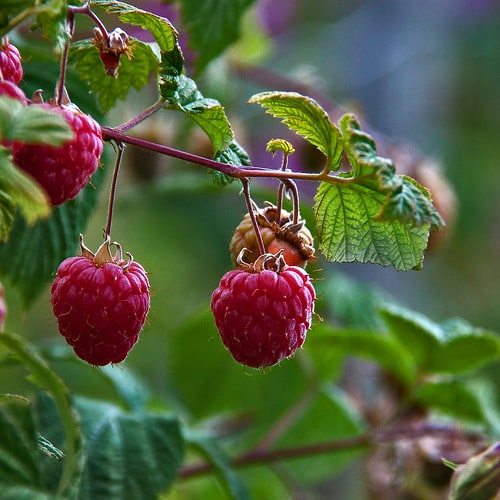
[11, 68]
[10, 89]
[63, 171]
[101, 303]
[295, 239]
[262, 314]
[3, 308]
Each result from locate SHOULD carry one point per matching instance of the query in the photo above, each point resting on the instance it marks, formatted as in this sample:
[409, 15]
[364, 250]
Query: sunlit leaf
[307, 118]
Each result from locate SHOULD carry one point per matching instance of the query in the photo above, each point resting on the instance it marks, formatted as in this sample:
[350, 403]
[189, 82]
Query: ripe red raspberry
[10, 89]
[3, 308]
[263, 315]
[101, 303]
[295, 239]
[65, 170]
[11, 68]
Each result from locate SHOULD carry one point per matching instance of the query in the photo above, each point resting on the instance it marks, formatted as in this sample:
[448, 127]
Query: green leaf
[415, 332]
[370, 214]
[345, 218]
[406, 200]
[234, 154]
[451, 397]
[212, 26]
[45, 378]
[283, 145]
[51, 17]
[129, 455]
[133, 73]
[382, 349]
[210, 116]
[18, 190]
[307, 118]
[161, 28]
[18, 445]
[453, 346]
[209, 448]
[32, 124]
[33, 253]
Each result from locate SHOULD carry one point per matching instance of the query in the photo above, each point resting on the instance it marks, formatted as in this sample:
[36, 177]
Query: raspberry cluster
[101, 304]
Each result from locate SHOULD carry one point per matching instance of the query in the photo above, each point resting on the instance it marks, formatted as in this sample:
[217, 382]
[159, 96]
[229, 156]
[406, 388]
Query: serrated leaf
[129, 455]
[160, 27]
[406, 200]
[18, 191]
[33, 253]
[212, 26]
[275, 145]
[32, 124]
[133, 73]
[233, 154]
[45, 378]
[18, 446]
[209, 448]
[367, 344]
[307, 118]
[345, 216]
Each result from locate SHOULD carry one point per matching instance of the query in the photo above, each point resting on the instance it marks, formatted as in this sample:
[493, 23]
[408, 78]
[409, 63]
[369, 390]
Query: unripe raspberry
[295, 239]
[63, 171]
[11, 68]
[101, 304]
[262, 314]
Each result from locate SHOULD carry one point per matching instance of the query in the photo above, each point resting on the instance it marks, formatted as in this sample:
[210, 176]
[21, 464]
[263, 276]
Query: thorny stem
[112, 193]
[248, 199]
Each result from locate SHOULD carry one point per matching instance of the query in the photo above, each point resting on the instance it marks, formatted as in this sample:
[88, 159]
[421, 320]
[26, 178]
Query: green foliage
[33, 252]
[210, 34]
[133, 73]
[161, 28]
[307, 118]
[18, 191]
[128, 454]
[275, 145]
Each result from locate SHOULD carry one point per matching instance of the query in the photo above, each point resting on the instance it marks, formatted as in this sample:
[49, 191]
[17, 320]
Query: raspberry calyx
[278, 232]
[263, 310]
[101, 303]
